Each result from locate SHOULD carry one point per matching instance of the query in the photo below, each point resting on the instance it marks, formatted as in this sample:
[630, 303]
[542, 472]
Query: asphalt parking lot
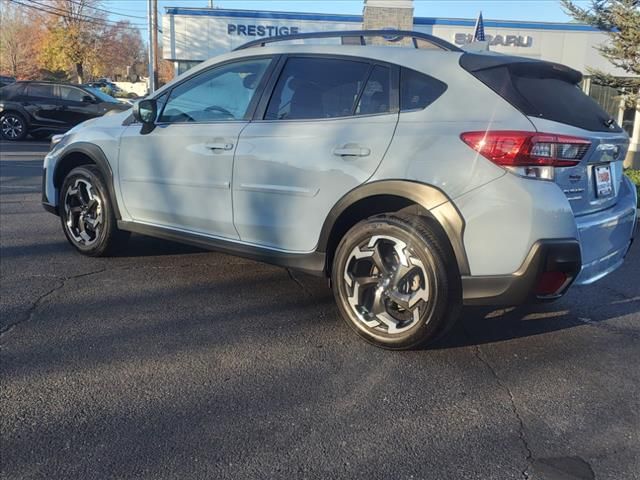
[172, 362]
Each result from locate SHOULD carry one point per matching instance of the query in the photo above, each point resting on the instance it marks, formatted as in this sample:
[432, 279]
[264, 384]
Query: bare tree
[19, 37]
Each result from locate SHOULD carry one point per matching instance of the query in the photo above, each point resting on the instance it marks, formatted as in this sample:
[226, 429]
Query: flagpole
[475, 29]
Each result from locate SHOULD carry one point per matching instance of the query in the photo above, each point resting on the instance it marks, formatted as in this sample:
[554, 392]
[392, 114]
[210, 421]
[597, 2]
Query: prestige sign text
[245, 30]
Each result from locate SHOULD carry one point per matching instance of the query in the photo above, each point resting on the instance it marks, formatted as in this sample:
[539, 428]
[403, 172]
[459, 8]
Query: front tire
[13, 126]
[87, 215]
[395, 282]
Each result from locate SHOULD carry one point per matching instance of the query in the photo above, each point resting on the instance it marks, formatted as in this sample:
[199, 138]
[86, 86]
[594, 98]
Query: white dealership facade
[192, 35]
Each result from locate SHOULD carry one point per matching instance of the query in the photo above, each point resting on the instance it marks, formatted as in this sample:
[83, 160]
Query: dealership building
[192, 35]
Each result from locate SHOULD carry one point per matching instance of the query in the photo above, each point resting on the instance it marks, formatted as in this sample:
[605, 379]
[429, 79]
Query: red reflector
[519, 149]
[550, 283]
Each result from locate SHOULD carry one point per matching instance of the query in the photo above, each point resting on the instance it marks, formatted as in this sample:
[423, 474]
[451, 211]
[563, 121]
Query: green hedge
[634, 175]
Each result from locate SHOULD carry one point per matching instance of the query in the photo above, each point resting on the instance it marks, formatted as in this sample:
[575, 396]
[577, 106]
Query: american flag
[478, 34]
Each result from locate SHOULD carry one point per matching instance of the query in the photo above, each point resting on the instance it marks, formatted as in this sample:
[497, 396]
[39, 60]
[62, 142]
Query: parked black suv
[42, 108]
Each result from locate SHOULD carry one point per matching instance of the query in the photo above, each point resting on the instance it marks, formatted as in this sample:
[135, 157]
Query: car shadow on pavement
[143, 246]
[484, 325]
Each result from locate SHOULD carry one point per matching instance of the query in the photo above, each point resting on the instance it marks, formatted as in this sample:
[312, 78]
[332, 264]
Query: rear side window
[40, 90]
[545, 90]
[417, 90]
[314, 88]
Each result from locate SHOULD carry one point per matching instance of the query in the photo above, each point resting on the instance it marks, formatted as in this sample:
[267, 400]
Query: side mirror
[88, 99]
[145, 111]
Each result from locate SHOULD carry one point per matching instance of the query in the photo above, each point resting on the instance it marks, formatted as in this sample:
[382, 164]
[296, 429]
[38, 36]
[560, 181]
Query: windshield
[103, 97]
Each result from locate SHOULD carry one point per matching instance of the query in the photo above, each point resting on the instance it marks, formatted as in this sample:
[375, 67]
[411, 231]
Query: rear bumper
[605, 237]
[519, 287]
[596, 247]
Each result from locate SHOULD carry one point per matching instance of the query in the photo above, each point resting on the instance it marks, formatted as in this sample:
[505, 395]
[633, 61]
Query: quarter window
[418, 90]
[313, 88]
[220, 94]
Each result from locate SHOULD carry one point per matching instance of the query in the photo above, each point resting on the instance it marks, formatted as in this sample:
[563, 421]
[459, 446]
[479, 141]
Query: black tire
[425, 281]
[84, 199]
[13, 126]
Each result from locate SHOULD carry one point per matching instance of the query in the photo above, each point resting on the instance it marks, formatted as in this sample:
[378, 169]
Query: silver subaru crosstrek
[418, 179]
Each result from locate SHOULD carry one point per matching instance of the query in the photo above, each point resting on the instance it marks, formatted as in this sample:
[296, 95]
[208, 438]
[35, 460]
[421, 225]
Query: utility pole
[155, 45]
[150, 28]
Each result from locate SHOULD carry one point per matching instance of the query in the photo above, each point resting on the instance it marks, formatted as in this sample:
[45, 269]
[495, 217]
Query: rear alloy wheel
[86, 213]
[393, 282]
[12, 126]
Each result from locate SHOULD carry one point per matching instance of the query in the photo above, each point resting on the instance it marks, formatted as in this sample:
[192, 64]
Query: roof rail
[390, 35]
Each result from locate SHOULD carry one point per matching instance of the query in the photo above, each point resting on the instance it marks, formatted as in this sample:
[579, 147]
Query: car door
[324, 131]
[75, 105]
[40, 102]
[179, 175]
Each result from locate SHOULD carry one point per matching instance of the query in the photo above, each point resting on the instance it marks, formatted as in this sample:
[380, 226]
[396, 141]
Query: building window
[183, 66]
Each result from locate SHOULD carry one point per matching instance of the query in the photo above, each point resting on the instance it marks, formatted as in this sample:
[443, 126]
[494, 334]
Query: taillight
[550, 283]
[530, 154]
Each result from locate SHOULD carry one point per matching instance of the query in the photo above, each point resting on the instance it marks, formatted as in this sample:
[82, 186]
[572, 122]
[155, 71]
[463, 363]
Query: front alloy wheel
[13, 127]
[86, 213]
[83, 209]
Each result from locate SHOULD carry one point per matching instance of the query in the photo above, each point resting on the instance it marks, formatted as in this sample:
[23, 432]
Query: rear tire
[87, 215]
[13, 126]
[395, 282]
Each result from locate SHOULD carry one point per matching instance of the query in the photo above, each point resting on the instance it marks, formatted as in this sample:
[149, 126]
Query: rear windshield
[543, 90]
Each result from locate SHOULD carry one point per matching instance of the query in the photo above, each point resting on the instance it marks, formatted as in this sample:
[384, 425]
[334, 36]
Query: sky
[531, 10]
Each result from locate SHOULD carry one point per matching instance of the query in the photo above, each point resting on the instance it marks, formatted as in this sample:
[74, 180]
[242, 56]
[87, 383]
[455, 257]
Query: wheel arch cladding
[86, 154]
[389, 196]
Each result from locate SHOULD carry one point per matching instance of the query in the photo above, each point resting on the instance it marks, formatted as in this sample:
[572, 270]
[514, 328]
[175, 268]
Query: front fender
[59, 163]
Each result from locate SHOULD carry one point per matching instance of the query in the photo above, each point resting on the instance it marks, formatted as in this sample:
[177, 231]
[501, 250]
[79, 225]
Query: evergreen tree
[620, 20]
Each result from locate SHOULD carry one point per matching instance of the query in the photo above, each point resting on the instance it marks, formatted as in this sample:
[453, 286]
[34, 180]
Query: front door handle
[352, 151]
[219, 146]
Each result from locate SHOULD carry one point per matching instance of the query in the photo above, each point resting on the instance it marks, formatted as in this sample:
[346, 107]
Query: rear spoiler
[475, 62]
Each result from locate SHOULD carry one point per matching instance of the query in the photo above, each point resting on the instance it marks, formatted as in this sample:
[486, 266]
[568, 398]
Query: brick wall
[382, 17]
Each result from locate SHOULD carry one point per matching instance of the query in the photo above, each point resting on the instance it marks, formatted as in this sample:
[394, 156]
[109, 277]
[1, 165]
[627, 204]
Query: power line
[80, 16]
[84, 18]
[110, 11]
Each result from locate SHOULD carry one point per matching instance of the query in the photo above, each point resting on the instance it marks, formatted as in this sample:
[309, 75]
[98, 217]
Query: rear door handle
[219, 146]
[352, 151]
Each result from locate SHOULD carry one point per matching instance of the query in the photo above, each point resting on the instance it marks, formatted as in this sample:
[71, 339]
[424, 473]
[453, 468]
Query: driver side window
[219, 94]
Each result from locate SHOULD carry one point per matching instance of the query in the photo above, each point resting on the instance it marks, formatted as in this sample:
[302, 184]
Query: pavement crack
[521, 430]
[62, 282]
[299, 283]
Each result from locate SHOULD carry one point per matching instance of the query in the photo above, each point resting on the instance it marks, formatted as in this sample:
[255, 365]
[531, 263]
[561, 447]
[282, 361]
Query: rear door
[549, 95]
[322, 132]
[40, 101]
